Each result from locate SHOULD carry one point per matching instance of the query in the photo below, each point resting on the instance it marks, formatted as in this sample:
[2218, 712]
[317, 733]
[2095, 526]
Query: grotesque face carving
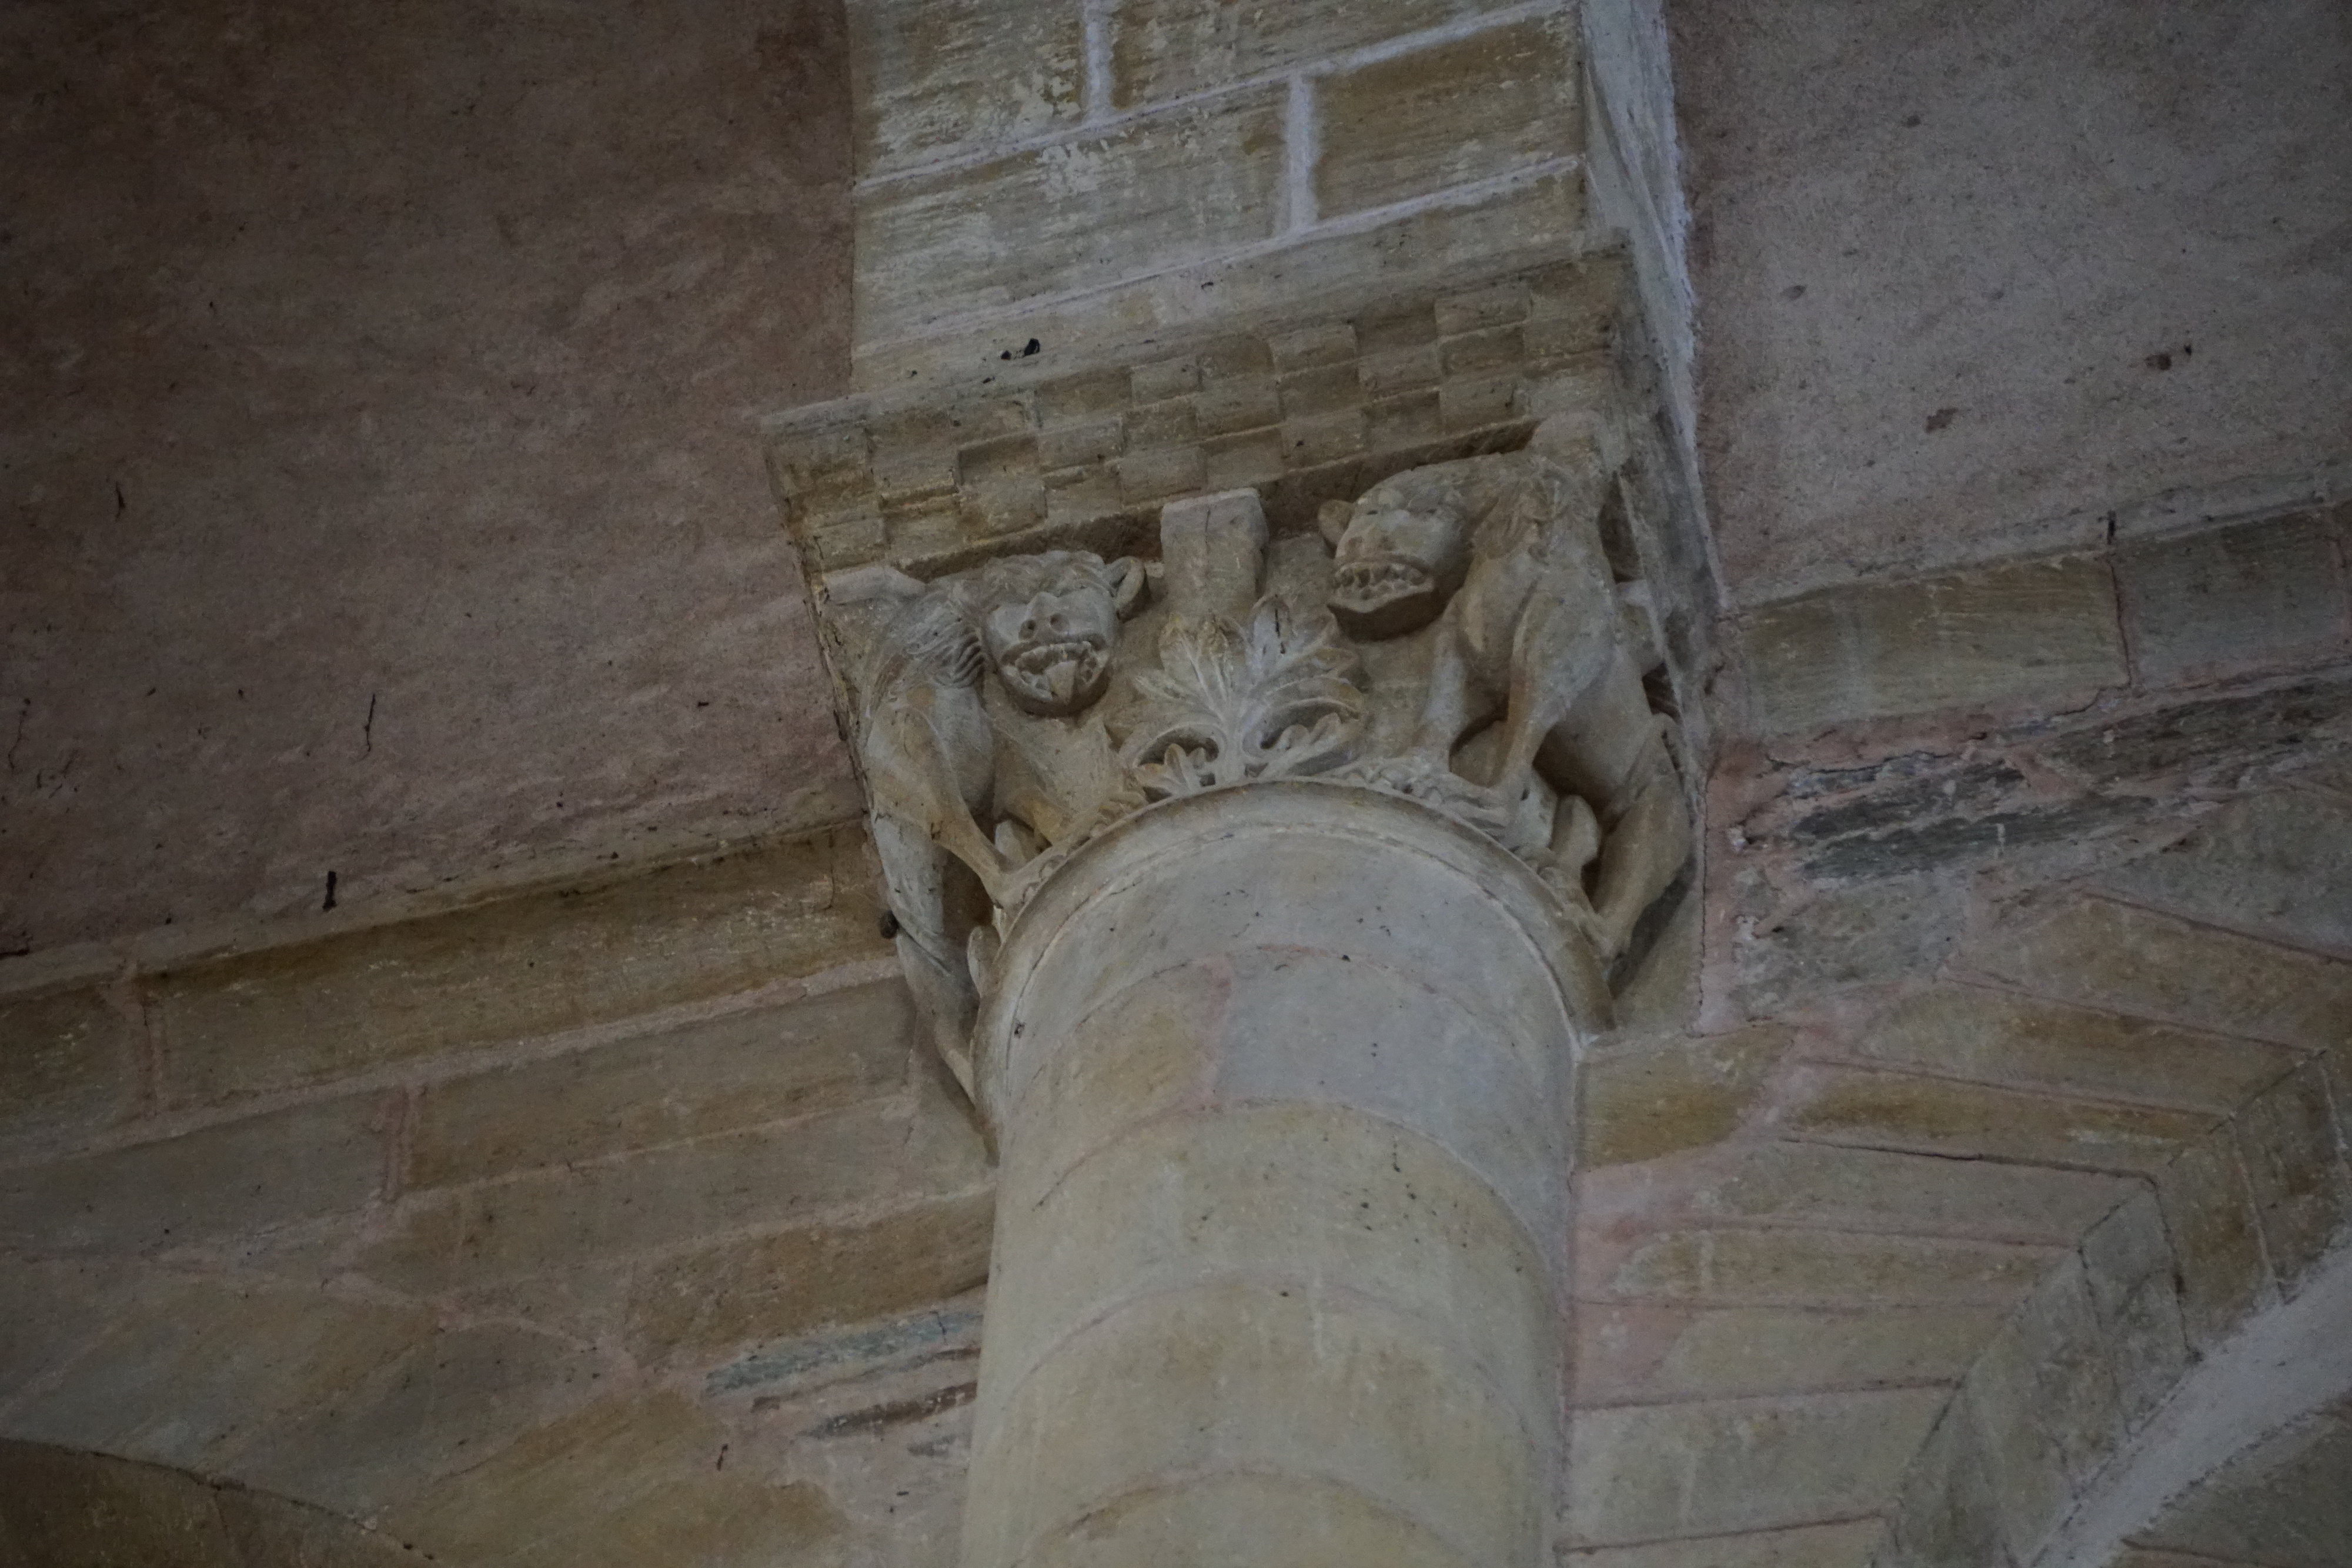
[1049, 622]
[1404, 551]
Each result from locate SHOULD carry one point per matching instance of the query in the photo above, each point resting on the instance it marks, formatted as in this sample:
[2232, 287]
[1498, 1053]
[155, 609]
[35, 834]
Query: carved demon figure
[1505, 554]
[974, 776]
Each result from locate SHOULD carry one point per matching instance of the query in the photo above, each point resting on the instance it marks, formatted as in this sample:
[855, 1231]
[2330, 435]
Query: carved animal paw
[1419, 776]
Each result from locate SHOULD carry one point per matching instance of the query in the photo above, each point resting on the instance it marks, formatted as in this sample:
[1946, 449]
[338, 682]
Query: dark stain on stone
[1941, 418]
[1970, 788]
[1933, 845]
[896, 1412]
[2239, 731]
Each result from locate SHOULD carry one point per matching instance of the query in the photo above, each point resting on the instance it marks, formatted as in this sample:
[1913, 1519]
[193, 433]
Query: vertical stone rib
[1280, 1078]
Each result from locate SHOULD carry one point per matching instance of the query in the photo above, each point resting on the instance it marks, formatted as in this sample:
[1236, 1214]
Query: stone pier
[1280, 1074]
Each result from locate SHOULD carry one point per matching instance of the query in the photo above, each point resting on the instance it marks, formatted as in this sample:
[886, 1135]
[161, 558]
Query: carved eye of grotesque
[1396, 564]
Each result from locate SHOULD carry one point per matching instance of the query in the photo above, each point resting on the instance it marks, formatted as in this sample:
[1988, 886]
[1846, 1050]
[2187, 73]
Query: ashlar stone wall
[1082, 172]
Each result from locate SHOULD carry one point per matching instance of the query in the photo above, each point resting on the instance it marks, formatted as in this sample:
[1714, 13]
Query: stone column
[1280, 1074]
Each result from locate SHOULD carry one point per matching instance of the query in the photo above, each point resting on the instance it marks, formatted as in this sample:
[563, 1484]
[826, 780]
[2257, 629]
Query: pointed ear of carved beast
[1332, 518]
[1127, 578]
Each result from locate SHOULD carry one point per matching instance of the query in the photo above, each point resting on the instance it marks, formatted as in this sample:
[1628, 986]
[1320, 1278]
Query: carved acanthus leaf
[1276, 698]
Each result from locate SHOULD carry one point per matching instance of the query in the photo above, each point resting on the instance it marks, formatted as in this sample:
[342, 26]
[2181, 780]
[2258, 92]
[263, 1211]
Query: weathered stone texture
[1164, 48]
[528, 1224]
[1826, 1266]
[1156, 192]
[1847, 1545]
[233, 1179]
[2216, 1238]
[2295, 1171]
[768, 1065]
[2043, 633]
[1887, 1190]
[1658, 1098]
[626, 1481]
[1947, 1515]
[2216, 603]
[2104, 954]
[790, 1283]
[69, 1063]
[192, 1371]
[1450, 114]
[1944, 1116]
[2276, 864]
[1712, 1467]
[2129, 1266]
[932, 81]
[2045, 1395]
[509, 970]
[62, 1506]
[1713, 1352]
[1995, 1037]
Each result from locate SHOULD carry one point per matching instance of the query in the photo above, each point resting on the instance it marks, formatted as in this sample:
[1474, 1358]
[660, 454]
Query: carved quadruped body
[1462, 641]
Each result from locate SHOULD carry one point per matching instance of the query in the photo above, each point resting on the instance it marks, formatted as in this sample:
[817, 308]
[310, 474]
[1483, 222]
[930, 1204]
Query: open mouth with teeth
[1369, 584]
[1056, 673]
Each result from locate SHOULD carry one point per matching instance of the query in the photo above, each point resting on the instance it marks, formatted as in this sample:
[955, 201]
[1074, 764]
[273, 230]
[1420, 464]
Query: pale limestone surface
[1279, 1075]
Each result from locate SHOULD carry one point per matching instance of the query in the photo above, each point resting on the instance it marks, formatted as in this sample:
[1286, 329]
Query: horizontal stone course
[1451, 113]
[1828, 1267]
[2041, 632]
[744, 1070]
[1170, 188]
[2103, 954]
[69, 1063]
[237, 1178]
[525, 966]
[1945, 1116]
[1706, 1468]
[2234, 599]
[1163, 49]
[2022, 1041]
[1843, 1546]
[880, 1153]
[925, 481]
[933, 81]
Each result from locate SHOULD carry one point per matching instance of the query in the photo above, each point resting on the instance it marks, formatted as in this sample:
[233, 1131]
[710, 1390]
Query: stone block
[1895, 929]
[1712, 1467]
[788, 1282]
[2128, 1260]
[625, 1481]
[2277, 866]
[1415, 248]
[1825, 1267]
[2043, 633]
[935, 80]
[1339, 1390]
[60, 1508]
[1976, 1120]
[1164, 48]
[1659, 1098]
[54, 1308]
[1449, 114]
[1881, 1190]
[2296, 1172]
[1847, 1545]
[2216, 1238]
[522, 967]
[195, 1371]
[2109, 955]
[1172, 188]
[1996, 1037]
[740, 1071]
[237, 1178]
[1747, 1351]
[2043, 1395]
[663, 1198]
[274, 1532]
[1482, 310]
[1325, 438]
[2228, 599]
[2218, 738]
[1409, 369]
[1947, 1515]
[1230, 1519]
[435, 1410]
[68, 1064]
